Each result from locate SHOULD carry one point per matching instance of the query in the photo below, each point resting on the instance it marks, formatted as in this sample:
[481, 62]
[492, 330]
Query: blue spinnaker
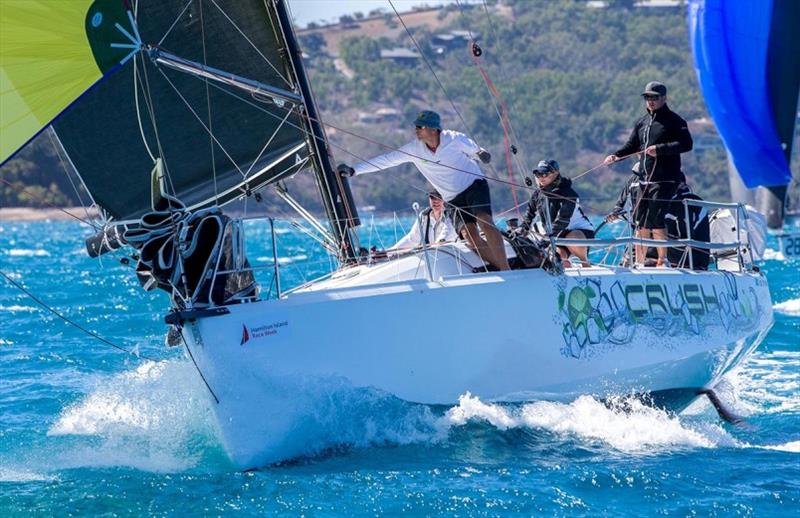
[730, 43]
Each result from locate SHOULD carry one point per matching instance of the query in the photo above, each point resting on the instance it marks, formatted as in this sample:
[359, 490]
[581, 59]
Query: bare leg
[494, 240]
[475, 241]
[578, 251]
[641, 250]
[660, 233]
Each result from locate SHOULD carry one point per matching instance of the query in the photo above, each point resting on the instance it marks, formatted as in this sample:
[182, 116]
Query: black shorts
[471, 201]
[653, 204]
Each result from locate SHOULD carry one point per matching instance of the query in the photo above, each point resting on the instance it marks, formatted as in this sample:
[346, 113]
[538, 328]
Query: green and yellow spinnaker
[47, 60]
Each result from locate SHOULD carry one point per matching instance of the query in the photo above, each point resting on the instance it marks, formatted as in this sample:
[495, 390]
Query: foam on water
[25, 252]
[790, 307]
[628, 426]
[17, 308]
[153, 418]
[157, 418]
[790, 447]
[23, 475]
[769, 383]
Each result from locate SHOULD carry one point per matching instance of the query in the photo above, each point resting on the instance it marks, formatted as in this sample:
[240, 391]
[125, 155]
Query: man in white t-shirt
[433, 226]
[448, 160]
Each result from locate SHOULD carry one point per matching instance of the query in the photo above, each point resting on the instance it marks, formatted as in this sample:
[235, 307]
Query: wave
[766, 384]
[790, 307]
[627, 425]
[25, 252]
[25, 475]
[157, 418]
[17, 308]
[153, 418]
[790, 447]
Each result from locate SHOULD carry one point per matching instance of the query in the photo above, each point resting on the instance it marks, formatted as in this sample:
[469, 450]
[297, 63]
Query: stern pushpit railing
[739, 248]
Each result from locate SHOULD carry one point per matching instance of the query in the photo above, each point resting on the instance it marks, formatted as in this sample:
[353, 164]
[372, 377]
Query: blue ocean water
[86, 429]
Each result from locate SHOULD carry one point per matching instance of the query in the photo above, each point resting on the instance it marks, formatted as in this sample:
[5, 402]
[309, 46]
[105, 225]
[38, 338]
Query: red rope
[503, 119]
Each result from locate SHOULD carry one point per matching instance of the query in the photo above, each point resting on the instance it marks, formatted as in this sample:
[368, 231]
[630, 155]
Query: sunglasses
[540, 174]
[651, 97]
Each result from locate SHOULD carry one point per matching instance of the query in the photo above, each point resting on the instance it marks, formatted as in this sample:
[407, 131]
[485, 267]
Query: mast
[335, 190]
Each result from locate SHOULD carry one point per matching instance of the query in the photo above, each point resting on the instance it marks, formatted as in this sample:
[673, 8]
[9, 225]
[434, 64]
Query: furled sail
[747, 59]
[210, 95]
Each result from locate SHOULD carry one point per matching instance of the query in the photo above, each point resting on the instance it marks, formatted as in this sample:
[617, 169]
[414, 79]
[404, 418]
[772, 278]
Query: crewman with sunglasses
[556, 202]
[658, 137]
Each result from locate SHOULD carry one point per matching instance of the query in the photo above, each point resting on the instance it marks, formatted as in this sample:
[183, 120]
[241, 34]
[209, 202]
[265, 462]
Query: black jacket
[670, 134]
[562, 200]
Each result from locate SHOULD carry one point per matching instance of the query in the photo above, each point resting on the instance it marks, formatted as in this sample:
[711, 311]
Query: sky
[305, 11]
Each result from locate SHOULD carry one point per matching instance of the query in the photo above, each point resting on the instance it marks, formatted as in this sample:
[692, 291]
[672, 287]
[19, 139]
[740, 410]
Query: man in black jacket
[658, 138]
[557, 202]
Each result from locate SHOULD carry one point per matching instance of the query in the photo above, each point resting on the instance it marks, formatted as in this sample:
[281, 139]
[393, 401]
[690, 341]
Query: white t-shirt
[438, 230]
[451, 169]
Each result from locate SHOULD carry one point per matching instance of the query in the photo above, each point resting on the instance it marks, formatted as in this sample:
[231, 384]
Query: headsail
[46, 61]
[181, 101]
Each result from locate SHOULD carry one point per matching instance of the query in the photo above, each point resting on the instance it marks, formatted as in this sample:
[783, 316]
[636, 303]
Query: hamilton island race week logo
[264, 331]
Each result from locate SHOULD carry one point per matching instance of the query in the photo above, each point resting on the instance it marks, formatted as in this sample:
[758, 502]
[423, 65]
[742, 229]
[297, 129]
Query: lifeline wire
[69, 321]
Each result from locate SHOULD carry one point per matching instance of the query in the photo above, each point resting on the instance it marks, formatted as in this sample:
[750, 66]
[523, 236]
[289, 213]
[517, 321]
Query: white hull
[511, 336]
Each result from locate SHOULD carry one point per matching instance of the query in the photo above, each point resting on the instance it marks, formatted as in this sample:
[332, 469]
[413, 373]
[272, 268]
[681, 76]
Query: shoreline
[23, 214]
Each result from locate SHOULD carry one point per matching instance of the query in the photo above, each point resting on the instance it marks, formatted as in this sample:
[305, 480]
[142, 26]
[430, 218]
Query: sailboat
[170, 109]
[747, 59]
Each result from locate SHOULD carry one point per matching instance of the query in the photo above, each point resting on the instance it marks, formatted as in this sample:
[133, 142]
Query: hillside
[570, 73]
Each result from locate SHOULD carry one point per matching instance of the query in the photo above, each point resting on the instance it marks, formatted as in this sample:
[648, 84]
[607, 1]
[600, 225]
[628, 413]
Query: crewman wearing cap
[556, 202]
[433, 226]
[658, 137]
[448, 160]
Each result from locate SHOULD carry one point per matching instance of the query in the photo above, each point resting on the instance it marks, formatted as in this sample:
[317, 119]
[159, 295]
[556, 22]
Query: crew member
[448, 160]
[658, 137]
[433, 226]
[556, 201]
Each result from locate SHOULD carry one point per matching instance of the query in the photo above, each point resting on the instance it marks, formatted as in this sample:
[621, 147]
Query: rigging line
[66, 173]
[52, 206]
[504, 122]
[185, 7]
[137, 79]
[493, 91]
[502, 113]
[463, 16]
[367, 139]
[252, 44]
[343, 130]
[385, 146]
[198, 368]
[503, 75]
[208, 104]
[189, 106]
[269, 141]
[68, 320]
[152, 113]
[430, 67]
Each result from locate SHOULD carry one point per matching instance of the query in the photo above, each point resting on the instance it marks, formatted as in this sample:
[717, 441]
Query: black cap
[655, 88]
[433, 193]
[546, 167]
